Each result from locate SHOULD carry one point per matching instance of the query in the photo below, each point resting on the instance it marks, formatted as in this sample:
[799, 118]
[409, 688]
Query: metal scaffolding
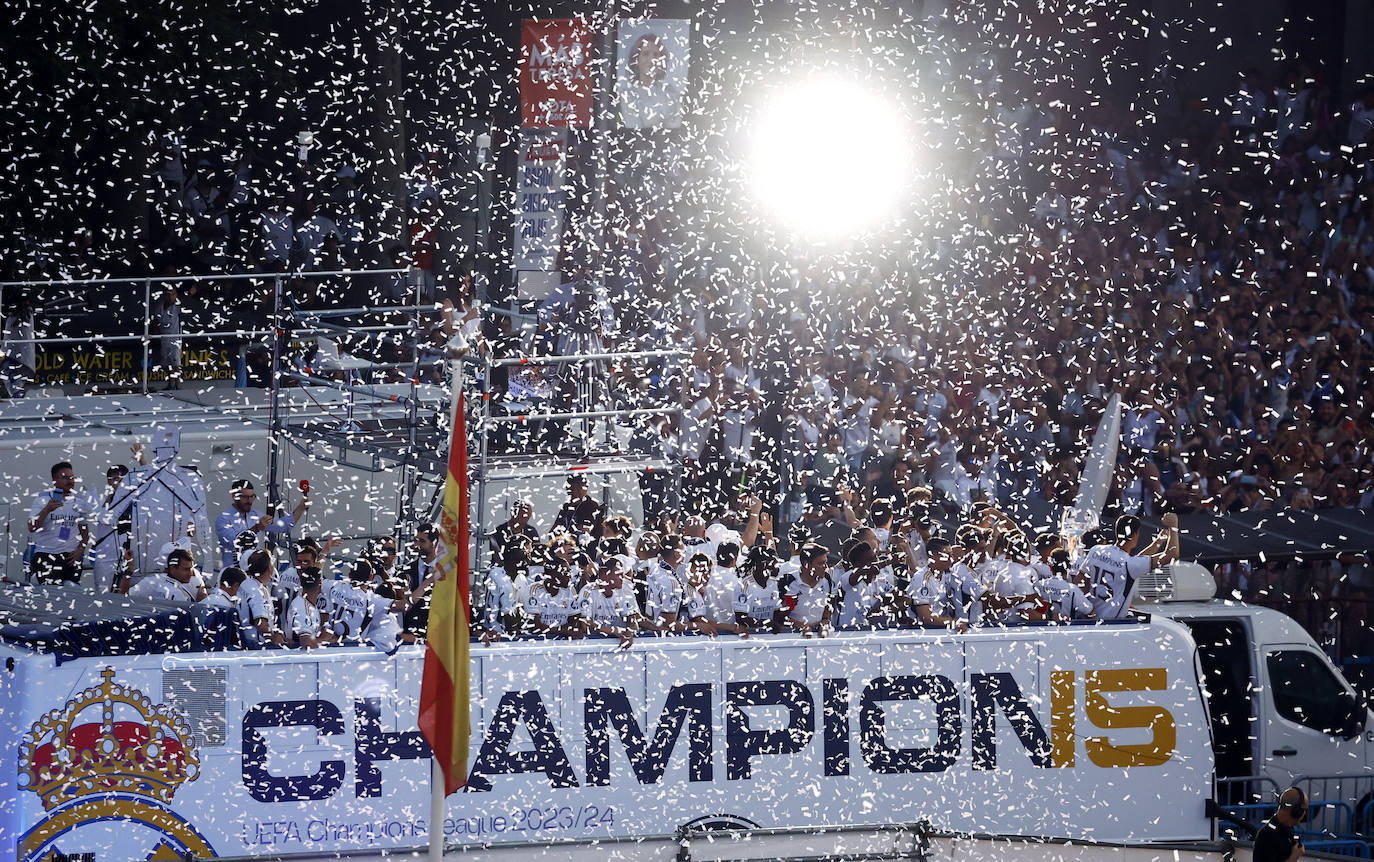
[587, 404]
[414, 441]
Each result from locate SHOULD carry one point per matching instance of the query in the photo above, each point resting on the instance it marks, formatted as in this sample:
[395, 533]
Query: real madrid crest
[106, 767]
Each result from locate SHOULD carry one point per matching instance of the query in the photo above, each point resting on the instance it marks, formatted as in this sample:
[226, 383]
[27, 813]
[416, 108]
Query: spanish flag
[444, 692]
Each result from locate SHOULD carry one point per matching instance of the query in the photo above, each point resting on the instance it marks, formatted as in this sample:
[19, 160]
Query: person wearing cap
[1113, 569]
[579, 509]
[517, 525]
[807, 599]
[179, 583]
[305, 626]
[242, 517]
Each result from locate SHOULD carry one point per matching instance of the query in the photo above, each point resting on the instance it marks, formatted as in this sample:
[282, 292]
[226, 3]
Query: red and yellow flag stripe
[444, 692]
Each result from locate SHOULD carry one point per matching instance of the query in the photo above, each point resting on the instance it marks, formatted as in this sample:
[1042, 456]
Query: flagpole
[436, 811]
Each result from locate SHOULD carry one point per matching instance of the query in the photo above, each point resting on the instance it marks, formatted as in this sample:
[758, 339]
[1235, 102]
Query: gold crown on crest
[61, 760]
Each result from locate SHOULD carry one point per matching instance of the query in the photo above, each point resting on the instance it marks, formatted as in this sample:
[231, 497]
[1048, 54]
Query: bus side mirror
[1352, 716]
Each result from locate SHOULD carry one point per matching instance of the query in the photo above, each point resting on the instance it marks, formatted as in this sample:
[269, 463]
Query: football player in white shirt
[287, 585]
[1065, 594]
[917, 526]
[723, 590]
[706, 596]
[759, 605]
[1114, 569]
[1015, 582]
[880, 521]
[304, 625]
[1045, 546]
[179, 583]
[553, 604]
[348, 603]
[930, 592]
[664, 593]
[256, 595]
[503, 615]
[860, 589]
[646, 560]
[225, 596]
[605, 607]
[797, 536]
[807, 599]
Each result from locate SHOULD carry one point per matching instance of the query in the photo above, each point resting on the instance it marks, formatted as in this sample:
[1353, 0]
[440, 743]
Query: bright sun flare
[829, 158]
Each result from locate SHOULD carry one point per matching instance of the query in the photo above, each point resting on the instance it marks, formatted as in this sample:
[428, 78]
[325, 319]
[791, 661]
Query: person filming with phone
[58, 526]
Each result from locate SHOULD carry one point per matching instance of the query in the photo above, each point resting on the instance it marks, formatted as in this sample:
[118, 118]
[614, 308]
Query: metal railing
[147, 338]
[585, 404]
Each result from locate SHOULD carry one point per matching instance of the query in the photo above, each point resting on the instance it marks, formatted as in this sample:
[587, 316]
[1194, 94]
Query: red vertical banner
[555, 73]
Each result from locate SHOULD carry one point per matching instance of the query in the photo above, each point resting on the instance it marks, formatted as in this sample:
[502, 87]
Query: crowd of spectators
[1212, 270]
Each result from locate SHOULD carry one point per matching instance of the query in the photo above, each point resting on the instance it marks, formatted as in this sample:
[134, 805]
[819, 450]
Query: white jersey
[302, 618]
[1112, 573]
[1015, 580]
[722, 593]
[349, 606]
[663, 594]
[616, 609]
[285, 588]
[383, 630]
[256, 600]
[789, 569]
[932, 589]
[758, 603]
[856, 600]
[808, 604]
[918, 549]
[61, 532]
[163, 587]
[966, 592]
[220, 600]
[1065, 600]
[552, 609]
[502, 597]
